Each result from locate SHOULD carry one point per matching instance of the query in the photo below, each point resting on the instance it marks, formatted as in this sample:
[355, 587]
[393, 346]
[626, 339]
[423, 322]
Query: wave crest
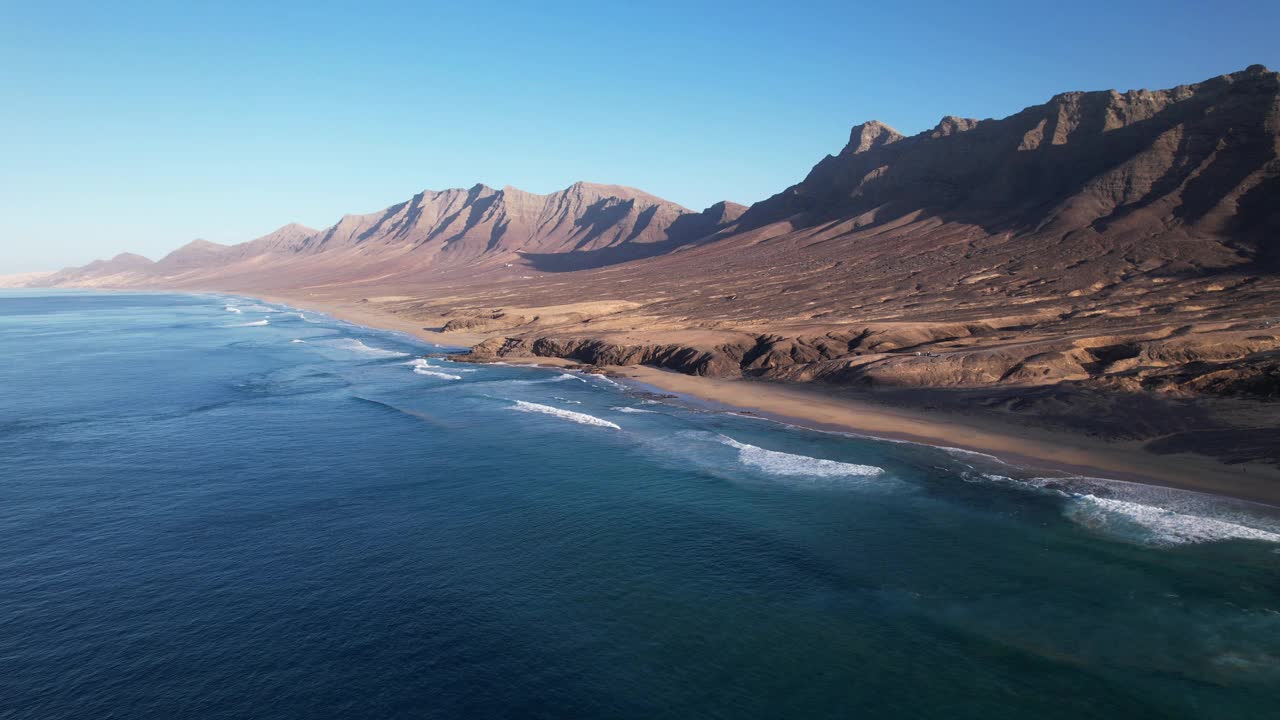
[356, 346]
[1148, 514]
[1151, 525]
[422, 367]
[781, 463]
[581, 418]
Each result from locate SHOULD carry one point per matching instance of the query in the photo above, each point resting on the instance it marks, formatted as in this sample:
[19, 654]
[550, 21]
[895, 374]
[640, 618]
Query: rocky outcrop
[1237, 362]
[720, 361]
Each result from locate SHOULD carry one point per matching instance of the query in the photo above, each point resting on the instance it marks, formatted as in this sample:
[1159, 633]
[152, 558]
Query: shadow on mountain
[686, 231]
[612, 255]
[1085, 169]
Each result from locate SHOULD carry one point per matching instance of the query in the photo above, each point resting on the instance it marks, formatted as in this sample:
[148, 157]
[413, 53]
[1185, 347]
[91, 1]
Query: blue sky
[140, 126]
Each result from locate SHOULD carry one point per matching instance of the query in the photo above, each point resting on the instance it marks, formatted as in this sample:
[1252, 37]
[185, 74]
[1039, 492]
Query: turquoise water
[214, 507]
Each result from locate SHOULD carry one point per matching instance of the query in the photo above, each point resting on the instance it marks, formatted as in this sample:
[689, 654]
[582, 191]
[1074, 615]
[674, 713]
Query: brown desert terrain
[1103, 268]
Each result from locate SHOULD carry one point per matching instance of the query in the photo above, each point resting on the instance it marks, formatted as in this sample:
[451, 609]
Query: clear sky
[140, 126]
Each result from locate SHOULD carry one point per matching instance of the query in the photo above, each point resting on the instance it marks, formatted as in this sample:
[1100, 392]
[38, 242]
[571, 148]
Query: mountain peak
[130, 259]
[202, 244]
[950, 125]
[870, 135]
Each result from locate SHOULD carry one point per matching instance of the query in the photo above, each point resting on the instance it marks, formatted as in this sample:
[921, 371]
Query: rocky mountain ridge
[584, 225]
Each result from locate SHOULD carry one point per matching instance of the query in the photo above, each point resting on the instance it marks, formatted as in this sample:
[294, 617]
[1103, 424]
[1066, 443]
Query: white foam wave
[1151, 515]
[780, 463]
[233, 309]
[1151, 525]
[258, 308]
[435, 374]
[582, 418]
[295, 340]
[256, 323]
[356, 346]
[634, 410]
[967, 453]
[422, 367]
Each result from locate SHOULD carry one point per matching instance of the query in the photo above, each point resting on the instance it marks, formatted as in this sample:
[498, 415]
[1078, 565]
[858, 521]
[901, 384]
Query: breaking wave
[422, 367]
[634, 410]
[780, 463]
[256, 323]
[1152, 525]
[233, 309]
[436, 374]
[582, 418]
[356, 346]
[1151, 515]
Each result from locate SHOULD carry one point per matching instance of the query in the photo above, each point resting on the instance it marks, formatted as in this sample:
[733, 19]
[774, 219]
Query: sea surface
[214, 507]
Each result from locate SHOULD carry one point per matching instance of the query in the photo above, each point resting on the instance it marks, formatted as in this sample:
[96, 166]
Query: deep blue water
[204, 517]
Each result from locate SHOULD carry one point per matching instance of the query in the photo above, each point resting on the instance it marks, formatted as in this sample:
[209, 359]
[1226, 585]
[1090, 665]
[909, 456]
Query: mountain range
[1184, 178]
[432, 232]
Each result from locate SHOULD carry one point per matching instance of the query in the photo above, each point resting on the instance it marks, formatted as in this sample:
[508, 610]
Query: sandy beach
[822, 408]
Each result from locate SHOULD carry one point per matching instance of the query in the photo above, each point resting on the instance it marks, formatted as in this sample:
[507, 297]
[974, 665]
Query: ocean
[216, 507]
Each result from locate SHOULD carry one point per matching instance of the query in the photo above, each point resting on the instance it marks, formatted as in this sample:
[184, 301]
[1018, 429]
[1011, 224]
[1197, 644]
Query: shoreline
[360, 314]
[1022, 446]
